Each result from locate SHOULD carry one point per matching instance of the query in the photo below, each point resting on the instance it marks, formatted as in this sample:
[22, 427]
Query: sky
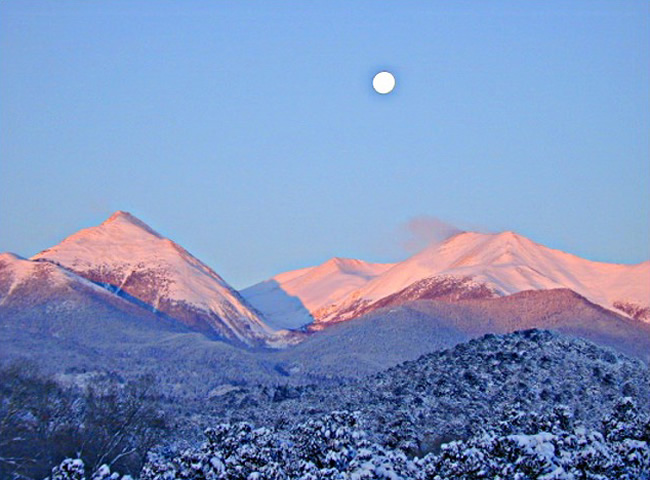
[249, 132]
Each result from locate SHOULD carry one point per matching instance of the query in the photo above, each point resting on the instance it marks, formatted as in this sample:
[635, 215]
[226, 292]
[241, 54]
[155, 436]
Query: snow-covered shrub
[75, 469]
[559, 449]
[69, 469]
[329, 442]
[104, 473]
[332, 447]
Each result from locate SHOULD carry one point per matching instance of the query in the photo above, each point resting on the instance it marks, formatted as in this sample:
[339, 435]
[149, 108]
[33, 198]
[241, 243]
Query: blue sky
[249, 132]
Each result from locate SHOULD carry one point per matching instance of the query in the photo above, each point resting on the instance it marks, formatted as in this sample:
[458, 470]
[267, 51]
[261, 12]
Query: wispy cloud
[424, 230]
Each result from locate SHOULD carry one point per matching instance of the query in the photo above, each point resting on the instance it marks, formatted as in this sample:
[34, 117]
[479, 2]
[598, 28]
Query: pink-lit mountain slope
[126, 256]
[20, 277]
[41, 300]
[473, 266]
[288, 299]
[481, 265]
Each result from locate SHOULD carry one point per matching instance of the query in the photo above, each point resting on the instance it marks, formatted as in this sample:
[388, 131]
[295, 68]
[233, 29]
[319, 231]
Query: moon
[383, 83]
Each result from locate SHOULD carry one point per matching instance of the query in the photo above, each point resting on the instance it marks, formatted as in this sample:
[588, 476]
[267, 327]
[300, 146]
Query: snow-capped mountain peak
[468, 249]
[127, 256]
[288, 299]
[505, 263]
[125, 220]
[466, 265]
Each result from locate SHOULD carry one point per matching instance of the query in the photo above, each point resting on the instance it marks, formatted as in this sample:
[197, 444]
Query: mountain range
[122, 284]
[467, 265]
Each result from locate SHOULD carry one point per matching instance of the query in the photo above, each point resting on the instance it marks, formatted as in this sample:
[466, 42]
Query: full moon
[383, 83]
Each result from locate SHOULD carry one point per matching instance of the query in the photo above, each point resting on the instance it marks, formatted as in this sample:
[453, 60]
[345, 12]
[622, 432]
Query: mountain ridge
[497, 264]
[124, 254]
[288, 299]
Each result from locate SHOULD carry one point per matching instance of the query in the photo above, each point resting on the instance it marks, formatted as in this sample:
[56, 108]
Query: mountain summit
[128, 257]
[473, 265]
[288, 299]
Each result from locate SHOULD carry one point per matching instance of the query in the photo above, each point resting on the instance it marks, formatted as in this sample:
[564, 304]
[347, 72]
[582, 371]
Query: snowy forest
[528, 405]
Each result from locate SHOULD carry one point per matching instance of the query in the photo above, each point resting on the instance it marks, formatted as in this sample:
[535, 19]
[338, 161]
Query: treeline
[109, 422]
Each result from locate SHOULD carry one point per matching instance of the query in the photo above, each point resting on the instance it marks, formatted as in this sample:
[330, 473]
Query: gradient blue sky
[249, 132]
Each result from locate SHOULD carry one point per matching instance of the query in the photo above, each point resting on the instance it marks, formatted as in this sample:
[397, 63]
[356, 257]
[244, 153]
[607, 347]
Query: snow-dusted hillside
[17, 273]
[49, 312]
[127, 256]
[390, 335]
[456, 393]
[497, 265]
[288, 299]
[529, 405]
